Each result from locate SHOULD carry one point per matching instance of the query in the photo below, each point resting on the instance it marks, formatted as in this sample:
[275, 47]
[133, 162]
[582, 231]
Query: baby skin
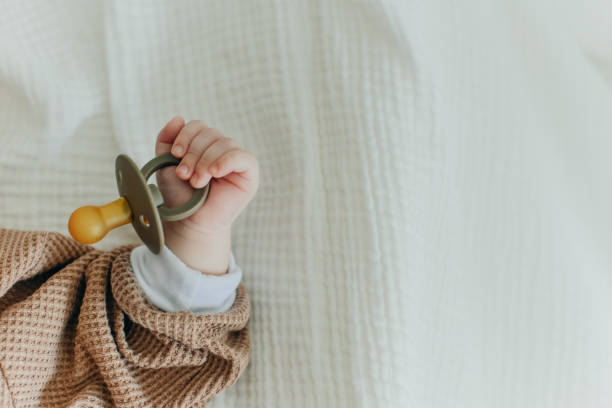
[202, 240]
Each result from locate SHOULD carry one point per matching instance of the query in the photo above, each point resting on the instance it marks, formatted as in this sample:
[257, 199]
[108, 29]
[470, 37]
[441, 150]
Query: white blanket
[433, 227]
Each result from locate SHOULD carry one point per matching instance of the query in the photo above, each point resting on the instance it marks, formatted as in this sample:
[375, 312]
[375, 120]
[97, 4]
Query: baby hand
[202, 240]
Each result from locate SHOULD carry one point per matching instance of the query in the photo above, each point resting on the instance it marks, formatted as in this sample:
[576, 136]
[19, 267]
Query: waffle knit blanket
[76, 330]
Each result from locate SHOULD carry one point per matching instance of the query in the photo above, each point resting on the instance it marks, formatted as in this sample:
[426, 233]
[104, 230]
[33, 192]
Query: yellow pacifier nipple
[90, 223]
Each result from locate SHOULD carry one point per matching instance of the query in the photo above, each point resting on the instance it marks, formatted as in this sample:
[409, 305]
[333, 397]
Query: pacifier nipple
[90, 223]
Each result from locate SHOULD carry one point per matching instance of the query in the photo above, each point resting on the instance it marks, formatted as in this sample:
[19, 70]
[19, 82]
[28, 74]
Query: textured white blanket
[433, 227]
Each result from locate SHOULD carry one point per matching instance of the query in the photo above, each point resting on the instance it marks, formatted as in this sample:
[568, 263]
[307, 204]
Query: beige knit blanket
[77, 331]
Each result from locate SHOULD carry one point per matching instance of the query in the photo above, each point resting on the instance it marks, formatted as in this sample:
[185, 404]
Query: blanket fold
[76, 330]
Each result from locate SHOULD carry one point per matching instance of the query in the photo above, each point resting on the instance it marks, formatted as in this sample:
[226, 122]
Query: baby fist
[206, 157]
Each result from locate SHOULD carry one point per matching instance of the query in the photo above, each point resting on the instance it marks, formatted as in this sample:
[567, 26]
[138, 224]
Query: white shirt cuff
[172, 286]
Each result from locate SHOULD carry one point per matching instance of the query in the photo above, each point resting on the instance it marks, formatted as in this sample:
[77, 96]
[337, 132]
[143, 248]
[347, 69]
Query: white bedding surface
[433, 226]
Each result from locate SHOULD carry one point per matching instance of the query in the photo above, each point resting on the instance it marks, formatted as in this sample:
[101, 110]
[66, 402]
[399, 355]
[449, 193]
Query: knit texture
[76, 330]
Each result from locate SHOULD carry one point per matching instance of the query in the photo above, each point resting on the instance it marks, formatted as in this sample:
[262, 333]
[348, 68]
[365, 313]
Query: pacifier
[139, 203]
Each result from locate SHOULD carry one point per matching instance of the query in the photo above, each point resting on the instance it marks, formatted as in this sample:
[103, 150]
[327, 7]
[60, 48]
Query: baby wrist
[208, 253]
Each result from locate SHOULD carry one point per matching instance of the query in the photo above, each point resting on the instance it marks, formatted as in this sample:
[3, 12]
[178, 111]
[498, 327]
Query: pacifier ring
[145, 201]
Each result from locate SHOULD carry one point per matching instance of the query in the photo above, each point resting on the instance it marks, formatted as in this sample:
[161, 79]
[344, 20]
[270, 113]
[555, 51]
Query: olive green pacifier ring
[146, 201]
[140, 204]
[185, 210]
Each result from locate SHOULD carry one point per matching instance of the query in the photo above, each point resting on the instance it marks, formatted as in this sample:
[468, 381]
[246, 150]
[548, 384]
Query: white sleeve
[173, 286]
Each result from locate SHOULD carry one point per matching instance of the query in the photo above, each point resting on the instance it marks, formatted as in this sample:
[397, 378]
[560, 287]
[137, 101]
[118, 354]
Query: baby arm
[204, 275]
